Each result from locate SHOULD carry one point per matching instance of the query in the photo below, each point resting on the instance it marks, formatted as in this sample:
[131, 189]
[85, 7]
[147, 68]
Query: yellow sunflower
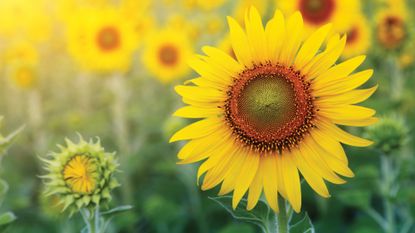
[101, 39]
[358, 37]
[166, 53]
[391, 27]
[272, 113]
[316, 13]
[27, 19]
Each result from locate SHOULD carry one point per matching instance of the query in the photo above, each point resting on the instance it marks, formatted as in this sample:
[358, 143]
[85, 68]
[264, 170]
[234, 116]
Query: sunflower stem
[282, 217]
[388, 180]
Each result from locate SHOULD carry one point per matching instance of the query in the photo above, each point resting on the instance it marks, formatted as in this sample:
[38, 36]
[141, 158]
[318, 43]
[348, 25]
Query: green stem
[388, 180]
[282, 217]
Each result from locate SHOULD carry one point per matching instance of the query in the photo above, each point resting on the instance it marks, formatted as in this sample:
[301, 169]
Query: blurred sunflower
[22, 75]
[272, 112]
[166, 53]
[138, 14]
[319, 12]
[25, 19]
[101, 39]
[358, 37]
[391, 27]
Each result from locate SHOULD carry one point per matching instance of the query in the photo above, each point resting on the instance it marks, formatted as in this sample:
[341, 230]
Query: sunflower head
[81, 175]
[23, 76]
[317, 13]
[358, 37]
[392, 28]
[390, 134]
[166, 53]
[271, 112]
[101, 39]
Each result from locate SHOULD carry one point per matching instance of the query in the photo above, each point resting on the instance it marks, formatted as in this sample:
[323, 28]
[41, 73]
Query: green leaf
[7, 218]
[259, 215]
[117, 210]
[303, 226]
[5, 142]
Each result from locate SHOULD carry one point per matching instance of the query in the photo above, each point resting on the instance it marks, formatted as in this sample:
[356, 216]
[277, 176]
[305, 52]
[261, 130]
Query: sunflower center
[391, 32]
[265, 102]
[352, 35]
[80, 174]
[168, 55]
[108, 38]
[316, 11]
[269, 107]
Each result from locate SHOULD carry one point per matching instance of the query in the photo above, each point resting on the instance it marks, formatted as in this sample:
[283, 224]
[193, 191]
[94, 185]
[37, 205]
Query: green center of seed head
[267, 102]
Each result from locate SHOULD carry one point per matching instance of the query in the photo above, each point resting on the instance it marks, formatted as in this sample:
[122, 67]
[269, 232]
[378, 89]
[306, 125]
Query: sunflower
[272, 113]
[391, 27]
[101, 39]
[166, 53]
[23, 75]
[358, 37]
[81, 175]
[27, 19]
[316, 13]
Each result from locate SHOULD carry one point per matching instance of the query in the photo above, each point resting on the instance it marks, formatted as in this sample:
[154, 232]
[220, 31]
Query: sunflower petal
[198, 129]
[311, 46]
[351, 97]
[310, 175]
[292, 39]
[268, 164]
[197, 112]
[239, 42]
[291, 181]
[256, 35]
[275, 33]
[248, 171]
[331, 130]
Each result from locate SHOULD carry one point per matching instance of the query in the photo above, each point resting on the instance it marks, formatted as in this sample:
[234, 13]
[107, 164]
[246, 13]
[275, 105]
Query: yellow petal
[342, 85]
[231, 176]
[339, 71]
[311, 46]
[247, 174]
[256, 35]
[329, 144]
[314, 160]
[198, 129]
[291, 181]
[333, 163]
[351, 97]
[201, 148]
[255, 188]
[220, 57]
[345, 112]
[216, 157]
[200, 94]
[268, 164]
[197, 112]
[332, 130]
[216, 175]
[209, 71]
[275, 32]
[292, 39]
[325, 61]
[310, 175]
[239, 42]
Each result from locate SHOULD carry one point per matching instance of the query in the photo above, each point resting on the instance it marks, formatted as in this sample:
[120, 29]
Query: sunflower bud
[389, 134]
[80, 175]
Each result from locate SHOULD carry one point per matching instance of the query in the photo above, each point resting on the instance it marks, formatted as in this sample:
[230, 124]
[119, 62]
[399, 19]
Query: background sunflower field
[108, 68]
